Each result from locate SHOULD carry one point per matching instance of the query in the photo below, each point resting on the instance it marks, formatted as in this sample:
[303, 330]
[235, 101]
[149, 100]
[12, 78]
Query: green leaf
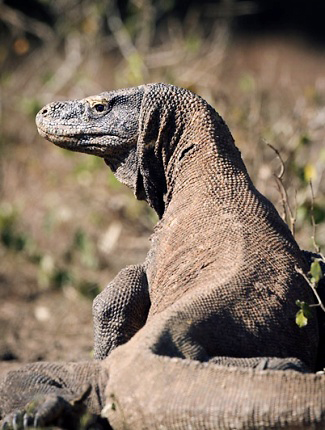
[88, 289]
[301, 320]
[316, 271]
[303, 314]
[305, 139]
[319, 213]
[310, 172]
[80, 240]
[61, 277]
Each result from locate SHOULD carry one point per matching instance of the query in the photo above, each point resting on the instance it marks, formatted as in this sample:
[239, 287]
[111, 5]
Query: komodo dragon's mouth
[87, 143]
[58, 139]
[73, 137]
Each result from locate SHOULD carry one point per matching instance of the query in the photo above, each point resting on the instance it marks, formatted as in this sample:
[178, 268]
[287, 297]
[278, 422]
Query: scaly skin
[203, 334]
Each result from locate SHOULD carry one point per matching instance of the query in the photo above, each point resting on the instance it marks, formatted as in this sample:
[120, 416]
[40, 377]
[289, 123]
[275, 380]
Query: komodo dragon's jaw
[97, 125]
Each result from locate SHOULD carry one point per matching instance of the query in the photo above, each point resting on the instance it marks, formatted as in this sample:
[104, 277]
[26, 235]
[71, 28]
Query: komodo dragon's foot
[54, 410]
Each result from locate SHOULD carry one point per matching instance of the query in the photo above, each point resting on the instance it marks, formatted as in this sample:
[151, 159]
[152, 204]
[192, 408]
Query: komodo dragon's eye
[99, 107]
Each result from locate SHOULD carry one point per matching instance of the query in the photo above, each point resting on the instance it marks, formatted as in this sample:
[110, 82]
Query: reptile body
[203, 334]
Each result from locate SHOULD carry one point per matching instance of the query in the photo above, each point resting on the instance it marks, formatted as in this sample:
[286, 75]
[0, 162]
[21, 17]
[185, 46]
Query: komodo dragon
[203, 334]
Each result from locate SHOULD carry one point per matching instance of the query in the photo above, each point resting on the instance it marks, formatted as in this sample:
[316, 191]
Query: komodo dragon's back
[197, 337]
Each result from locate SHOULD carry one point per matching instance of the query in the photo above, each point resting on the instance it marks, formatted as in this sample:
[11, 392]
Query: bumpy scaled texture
[203, 335]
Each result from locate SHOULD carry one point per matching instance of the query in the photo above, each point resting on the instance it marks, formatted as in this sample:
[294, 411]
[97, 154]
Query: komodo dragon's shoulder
[203, 333]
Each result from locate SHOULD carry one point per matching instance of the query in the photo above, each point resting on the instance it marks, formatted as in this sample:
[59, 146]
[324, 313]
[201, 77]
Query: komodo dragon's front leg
[120, 310]
[42, 394]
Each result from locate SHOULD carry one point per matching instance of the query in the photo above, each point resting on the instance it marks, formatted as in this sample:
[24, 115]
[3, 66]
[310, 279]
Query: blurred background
[66, 225]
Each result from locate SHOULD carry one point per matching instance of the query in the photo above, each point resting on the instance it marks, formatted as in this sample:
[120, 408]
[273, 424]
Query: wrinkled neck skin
[175, 125]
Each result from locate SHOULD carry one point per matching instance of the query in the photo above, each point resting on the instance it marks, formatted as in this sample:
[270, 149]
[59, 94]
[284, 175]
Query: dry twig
[25, 23]
[283, 192]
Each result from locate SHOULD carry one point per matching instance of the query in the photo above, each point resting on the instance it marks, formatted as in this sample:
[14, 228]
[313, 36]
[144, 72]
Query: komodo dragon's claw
[13, 421]
[48, 409]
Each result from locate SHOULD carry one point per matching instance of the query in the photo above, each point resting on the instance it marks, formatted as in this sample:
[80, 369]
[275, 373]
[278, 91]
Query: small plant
[313, 278]
[10, 237]
[315, 273]
[51, 272]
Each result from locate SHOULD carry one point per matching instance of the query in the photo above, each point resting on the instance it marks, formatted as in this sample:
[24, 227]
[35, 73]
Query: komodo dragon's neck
[181, 140]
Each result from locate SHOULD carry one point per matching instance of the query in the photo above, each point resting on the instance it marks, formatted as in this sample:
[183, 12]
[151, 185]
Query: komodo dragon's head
[95, 125]
[136, 131]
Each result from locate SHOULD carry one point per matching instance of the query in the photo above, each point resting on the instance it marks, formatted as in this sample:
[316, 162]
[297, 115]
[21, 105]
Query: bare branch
[282, 165]
[283, 192]
[122, 37]
[25, 23]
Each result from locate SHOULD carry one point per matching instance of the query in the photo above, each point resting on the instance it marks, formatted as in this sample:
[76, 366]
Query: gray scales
[203, 334]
